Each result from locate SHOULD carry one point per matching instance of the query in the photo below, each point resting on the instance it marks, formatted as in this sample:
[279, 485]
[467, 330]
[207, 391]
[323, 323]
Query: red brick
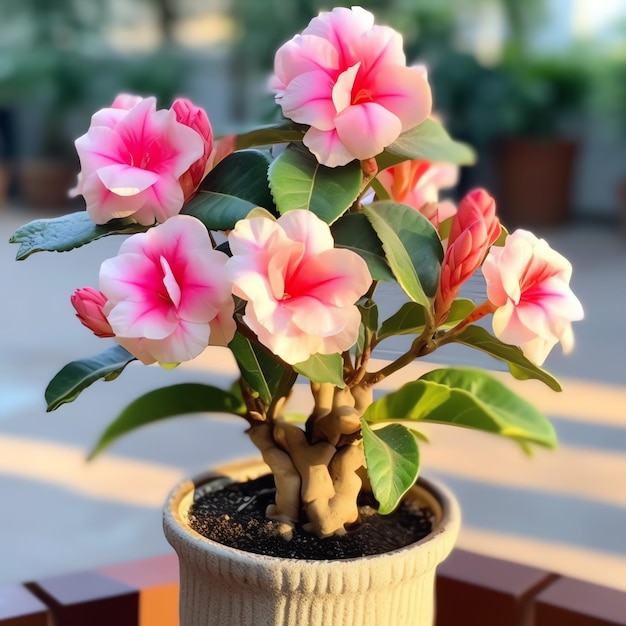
[88, 598]
[476, 590]
[156, 581]
[571, 602]
[19, 607]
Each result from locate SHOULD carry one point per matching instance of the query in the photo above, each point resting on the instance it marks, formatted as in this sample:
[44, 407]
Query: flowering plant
[315, 212]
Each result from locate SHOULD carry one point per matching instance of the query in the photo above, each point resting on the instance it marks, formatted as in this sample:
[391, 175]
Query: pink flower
[196, 118]
[417, 183]
[474, 229]
[529, 283]
[168, 297]
[300, 289]
[89, 303]
[347, 79]
[132, 159]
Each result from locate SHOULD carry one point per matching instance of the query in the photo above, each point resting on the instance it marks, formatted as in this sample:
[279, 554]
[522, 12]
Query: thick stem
[286, 477]
[343, 471]
[317, 472]
[330, 423]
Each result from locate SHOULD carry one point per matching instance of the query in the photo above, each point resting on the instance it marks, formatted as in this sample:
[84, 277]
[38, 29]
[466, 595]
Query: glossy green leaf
[354, 232]
[261, 370]
[322, 368]
[60, 234]
[519, 366]
[392, 459]
[76, 376]
[465, 397]
[409, 319]
[268, 135]
[429, 141]
[243, 175]
[298, 181]
[412, 248]
[167, 402]
[217, 211]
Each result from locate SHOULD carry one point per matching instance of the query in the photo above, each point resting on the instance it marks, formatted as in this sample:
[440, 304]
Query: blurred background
[538, 87]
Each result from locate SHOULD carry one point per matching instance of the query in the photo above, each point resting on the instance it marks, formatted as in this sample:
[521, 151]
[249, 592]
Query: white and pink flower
[528, 282]
[417, 184]
[132, 158]
[300, 290]
[347, 79]
[167, 297]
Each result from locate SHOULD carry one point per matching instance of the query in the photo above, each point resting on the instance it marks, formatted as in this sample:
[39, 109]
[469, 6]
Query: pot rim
[432, 492]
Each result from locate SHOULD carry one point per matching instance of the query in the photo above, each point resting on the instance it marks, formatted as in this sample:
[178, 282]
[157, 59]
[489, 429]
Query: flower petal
[367, 129]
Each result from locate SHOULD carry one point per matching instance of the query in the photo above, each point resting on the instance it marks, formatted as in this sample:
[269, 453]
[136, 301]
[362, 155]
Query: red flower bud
[474, 229]
[89, 303]
[196, 118]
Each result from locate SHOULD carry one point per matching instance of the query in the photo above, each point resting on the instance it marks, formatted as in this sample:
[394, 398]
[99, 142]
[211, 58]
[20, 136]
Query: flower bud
[474, 229]
[195, 118]
[89, 303]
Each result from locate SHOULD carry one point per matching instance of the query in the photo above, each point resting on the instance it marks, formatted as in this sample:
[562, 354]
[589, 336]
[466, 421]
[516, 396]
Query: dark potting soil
[235, 516]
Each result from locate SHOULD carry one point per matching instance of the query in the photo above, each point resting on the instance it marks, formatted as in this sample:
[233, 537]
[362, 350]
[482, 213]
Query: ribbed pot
[223, 586]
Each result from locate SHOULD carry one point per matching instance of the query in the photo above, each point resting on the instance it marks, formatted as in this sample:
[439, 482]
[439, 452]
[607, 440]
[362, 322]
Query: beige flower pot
[223, 586]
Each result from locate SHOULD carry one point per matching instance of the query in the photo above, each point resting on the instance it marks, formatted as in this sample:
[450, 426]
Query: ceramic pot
[221, 586]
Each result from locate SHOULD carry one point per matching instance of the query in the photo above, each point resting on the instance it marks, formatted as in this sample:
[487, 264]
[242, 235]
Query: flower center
[363, 95]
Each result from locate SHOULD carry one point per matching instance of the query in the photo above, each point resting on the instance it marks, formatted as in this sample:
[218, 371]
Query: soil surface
[235, 516]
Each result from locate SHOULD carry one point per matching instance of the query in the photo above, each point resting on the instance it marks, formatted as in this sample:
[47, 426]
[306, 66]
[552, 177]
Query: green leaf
[168, 402]
[262, 371]
[298, 181]
[60, 234]
[429, 141]
[465, 397]
[354, 232]
[392, 459]
[409, 319]
[412, 248]
[323, 368]
[243, 175]
[217, 211]
[268, 135]
[75, 377]
[519, 366]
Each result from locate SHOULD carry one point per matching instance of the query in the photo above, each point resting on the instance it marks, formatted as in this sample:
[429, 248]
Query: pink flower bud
[477, 201]
[89, 303]
[474, 229]
[195, 118]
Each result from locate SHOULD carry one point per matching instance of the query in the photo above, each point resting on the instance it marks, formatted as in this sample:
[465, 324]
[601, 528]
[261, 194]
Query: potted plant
[273, 243]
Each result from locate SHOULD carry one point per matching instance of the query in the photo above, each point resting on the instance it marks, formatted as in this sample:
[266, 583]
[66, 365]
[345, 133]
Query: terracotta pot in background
[221, 585]
[45, 183]
[534, 181]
